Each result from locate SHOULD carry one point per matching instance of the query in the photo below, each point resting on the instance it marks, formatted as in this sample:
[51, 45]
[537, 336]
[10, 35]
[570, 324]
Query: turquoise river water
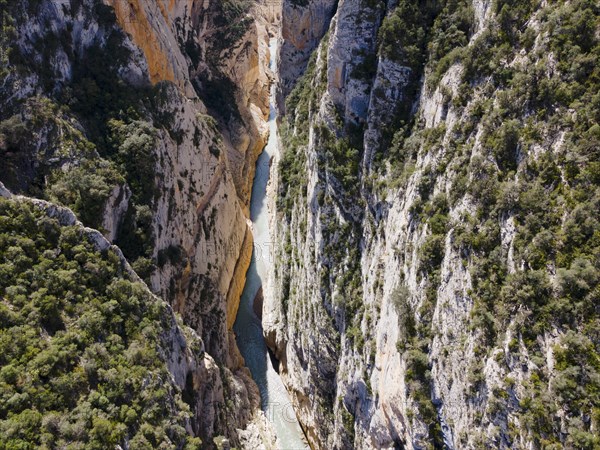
[275, 399]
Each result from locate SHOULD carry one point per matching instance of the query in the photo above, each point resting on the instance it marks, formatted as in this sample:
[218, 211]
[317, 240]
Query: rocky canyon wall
[146, 118]
[425, 160]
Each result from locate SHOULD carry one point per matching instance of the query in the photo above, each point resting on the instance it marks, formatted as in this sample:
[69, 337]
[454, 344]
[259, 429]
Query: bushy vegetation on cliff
[538, 116]
[82, 362]
[508, 177]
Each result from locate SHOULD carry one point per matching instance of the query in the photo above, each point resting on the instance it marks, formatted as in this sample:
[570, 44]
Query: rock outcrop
[303, 25]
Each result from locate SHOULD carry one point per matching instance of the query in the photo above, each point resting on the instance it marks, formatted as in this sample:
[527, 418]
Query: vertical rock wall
[394, 228]
[177, 53]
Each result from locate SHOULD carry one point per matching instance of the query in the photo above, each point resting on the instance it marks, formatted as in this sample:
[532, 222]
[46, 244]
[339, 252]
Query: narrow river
[275, 400]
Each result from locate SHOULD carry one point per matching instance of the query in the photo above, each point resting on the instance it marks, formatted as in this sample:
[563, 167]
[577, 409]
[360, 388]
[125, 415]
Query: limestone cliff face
[181, 42]
[163, 63]
[187, 214]
[397, 327]
[303, 25]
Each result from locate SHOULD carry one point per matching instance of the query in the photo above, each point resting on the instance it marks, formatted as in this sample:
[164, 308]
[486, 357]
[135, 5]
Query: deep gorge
[393, 203]
[248, 328]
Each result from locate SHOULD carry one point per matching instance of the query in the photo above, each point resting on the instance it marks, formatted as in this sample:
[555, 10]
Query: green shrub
[431, 252]
[135, 142]
[402, 35]
[504, 144]
[85, 189]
